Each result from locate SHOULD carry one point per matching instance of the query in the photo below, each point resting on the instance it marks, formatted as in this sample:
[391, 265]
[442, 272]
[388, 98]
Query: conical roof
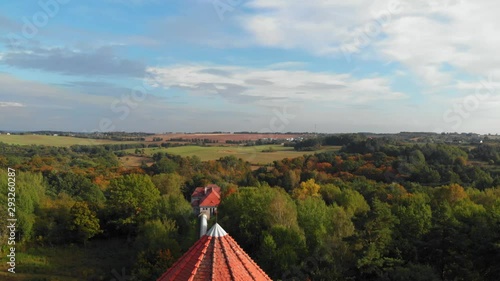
[216, 256]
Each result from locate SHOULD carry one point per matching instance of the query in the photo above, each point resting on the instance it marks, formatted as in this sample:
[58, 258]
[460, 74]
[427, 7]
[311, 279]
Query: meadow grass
[96, 261]
[130, 161]
[54, 140]
[252, 154]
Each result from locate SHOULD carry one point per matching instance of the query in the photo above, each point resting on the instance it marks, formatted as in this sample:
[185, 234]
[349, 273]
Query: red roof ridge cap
[215, 256]
[240, 253]
[200, 258]
[226, 257]
[212, 272]
[201, 243]
[209, 200]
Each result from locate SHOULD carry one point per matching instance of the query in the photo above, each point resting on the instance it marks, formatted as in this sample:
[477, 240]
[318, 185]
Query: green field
[53, 140]
[252, 154]
[99, 260]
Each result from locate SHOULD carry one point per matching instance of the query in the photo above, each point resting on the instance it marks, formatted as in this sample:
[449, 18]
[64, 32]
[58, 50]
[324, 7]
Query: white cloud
[436, 40]
[318, 26]
[287, 65]
[261, 86]
[10, 104]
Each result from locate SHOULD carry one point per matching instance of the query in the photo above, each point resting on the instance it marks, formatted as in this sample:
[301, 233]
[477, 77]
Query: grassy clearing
[71, 263]
[53, 140]
[130, 161]
[252, 154]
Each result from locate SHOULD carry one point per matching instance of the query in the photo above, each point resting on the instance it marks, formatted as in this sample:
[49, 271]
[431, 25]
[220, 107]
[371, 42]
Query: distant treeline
[361, 143]
[98, 135]
[272, 133]
[194, 140]
[256, 142]
[312, 144]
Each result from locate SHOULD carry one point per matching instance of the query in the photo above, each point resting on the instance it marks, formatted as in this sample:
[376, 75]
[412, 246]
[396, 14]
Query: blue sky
[249, 65]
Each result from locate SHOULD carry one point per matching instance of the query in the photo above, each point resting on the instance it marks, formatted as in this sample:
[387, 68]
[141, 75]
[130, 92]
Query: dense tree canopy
[131, 200]
[378, 209]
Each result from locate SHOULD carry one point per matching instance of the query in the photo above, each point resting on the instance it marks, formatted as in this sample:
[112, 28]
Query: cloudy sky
[250, 65]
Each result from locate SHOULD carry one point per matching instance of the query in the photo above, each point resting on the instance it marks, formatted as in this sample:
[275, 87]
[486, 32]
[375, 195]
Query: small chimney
[206, 188]
[203, 225]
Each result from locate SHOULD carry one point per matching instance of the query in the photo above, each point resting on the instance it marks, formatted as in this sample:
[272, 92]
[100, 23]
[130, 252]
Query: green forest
[378, 209]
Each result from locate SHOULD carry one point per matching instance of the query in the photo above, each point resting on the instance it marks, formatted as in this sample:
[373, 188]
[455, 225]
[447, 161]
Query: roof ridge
[226, 258]
[211, 199]
[175, 270]
[215, 256]
[200, 259]
[212, 274]
[240, 254]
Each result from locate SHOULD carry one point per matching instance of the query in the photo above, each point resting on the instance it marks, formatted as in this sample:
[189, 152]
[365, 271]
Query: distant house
[206, 200]
[476, 140]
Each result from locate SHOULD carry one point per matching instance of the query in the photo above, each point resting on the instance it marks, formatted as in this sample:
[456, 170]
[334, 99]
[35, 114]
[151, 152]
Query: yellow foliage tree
[451, 193]
[307, 188]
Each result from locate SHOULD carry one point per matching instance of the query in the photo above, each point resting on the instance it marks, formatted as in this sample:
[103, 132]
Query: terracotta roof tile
[216, 256]
[212, 199]
[200, 191]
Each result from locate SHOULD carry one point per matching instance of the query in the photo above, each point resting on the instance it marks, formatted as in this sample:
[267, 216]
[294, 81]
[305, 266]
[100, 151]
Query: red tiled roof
[216, 256]
[208, 196]
[212, 199]
[200, 191]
